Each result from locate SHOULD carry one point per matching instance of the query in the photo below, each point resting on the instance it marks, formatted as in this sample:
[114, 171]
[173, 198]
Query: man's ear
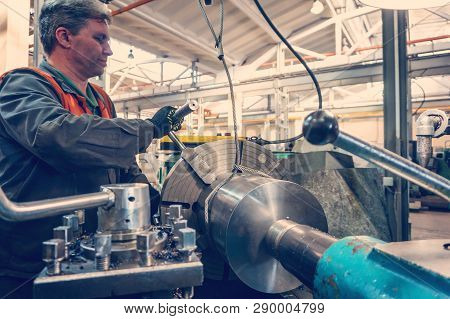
[63, 37]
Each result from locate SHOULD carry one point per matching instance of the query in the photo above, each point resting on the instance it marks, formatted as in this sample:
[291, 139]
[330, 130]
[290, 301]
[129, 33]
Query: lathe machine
[271, 232]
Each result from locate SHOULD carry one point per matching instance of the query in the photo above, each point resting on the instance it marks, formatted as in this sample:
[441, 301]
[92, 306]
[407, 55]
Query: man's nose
[107, 50]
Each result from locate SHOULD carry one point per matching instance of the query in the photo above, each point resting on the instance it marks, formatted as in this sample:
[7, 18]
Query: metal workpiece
[320, 125]
[52, 255]
[364, 267]
[298, 248]
[241, 214]
[103, 246]
[65, 233]
[18, 212]
[130, 213]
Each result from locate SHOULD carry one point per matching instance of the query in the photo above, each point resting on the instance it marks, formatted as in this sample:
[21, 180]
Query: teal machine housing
[365, 267]
[360, 266]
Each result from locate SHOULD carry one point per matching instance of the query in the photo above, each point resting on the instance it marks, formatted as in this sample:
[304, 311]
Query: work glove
[164, 121]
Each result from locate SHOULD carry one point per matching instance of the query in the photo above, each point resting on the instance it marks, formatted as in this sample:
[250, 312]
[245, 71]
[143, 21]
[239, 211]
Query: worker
[59, 134]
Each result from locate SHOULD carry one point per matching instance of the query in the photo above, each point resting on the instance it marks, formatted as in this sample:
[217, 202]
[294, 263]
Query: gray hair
[70, 14]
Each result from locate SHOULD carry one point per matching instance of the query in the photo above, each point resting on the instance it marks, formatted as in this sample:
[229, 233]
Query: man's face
[90, 48]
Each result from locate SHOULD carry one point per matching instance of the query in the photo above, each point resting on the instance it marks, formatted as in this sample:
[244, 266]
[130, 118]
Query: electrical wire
[286, 42]
[423, 99]
[259, 140]
[221, 56]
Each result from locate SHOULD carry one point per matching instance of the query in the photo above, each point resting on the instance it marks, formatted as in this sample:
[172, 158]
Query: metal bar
[130, 7]
[179, 75]
[395, 164]
[396, 110]
[250, 10]
[441, 14]
[166, 26]
[37, 54]
[310, 53]
[17, 212]
[342, 17]
[184, 110]
[177, 141]
[119, 82]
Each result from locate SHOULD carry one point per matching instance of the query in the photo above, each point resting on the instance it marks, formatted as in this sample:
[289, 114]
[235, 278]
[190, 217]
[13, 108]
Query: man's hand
[164, 121]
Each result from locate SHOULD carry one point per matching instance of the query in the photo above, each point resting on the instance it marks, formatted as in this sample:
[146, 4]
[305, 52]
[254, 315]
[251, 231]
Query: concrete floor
[429, 225]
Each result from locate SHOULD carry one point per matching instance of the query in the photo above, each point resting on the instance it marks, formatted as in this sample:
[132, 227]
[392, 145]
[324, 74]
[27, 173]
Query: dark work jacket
[47, 152]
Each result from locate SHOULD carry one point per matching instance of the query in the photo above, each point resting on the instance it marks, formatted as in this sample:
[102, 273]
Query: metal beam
[440, 14]
[344, 28]
[342, 17]
[397, 114]
[249, 9]
[173, 48]
[178, 33]
[372, 30]
[309, 52]
[298, 81]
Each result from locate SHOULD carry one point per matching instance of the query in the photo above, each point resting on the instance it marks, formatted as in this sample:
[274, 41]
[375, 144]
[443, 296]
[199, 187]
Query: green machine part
[364, 267]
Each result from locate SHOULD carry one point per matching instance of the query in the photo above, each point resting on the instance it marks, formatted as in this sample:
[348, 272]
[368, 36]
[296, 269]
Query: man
[59, 135]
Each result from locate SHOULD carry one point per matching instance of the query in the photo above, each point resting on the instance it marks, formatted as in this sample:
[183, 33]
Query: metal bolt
[175, 212]
[187, 240]
[52, 255]
[65, 233]
[179, 224]
[72, 221]
[81, 219]
[103, 246]
[145, 244]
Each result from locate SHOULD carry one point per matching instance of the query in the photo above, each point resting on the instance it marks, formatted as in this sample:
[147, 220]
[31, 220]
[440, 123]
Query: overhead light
[317, 7]
[131, 55]
[134, 87]
[404, 4]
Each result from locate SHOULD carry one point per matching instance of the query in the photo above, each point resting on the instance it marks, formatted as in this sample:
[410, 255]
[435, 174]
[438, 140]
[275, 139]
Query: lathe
[271, 232]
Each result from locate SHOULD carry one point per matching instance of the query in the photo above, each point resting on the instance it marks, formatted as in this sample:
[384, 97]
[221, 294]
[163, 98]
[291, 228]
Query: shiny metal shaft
[17, 212]
[395, 164]
[298, 248]
[177, 141]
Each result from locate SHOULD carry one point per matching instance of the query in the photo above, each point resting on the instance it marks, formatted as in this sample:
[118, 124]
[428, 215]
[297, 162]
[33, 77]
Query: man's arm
[32, 115]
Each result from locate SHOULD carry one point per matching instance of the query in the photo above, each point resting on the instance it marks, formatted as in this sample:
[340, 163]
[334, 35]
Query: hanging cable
[283, 39]
[424, 97]
[221, 56]
[259, 140]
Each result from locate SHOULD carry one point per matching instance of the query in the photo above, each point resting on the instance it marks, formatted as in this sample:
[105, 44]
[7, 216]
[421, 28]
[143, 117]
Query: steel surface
[88, 283]
[242, 213]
